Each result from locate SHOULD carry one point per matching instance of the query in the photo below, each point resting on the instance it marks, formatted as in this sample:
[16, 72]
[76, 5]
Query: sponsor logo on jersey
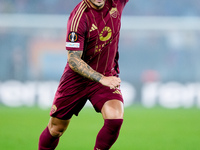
[93, 28]
[105, 34]
[73, 45]
[114, 12]
[72, 37]
[53, 109]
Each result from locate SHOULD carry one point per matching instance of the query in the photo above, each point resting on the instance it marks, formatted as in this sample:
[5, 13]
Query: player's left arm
[81, 67]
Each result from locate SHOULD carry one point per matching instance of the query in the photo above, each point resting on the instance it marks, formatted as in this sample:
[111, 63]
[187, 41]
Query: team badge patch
[53, 109]
[72, 37]
[114, 12]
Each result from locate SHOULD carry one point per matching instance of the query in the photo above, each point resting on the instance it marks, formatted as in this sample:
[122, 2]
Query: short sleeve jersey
[96, 33]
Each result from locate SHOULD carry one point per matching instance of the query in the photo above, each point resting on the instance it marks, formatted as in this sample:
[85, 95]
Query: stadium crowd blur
[146, 56]
[135, 7]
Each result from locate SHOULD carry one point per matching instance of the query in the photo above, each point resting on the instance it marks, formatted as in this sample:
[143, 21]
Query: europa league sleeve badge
[73, 37]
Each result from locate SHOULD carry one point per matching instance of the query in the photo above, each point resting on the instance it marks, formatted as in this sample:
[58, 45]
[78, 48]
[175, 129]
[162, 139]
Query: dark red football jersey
[96, 33]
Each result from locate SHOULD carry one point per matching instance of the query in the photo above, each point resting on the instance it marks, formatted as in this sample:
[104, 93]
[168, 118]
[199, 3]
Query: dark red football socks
[108, 134]
[47, 141]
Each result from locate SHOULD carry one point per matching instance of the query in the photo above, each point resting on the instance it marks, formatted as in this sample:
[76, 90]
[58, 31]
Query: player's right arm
[82, 68]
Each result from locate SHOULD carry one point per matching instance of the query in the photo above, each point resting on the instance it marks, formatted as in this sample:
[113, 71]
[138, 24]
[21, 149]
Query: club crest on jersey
[53, 109]
[114, 12]
[72, 37]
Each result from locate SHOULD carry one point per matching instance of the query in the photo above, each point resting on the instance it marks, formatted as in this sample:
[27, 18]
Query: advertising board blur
[168, 95]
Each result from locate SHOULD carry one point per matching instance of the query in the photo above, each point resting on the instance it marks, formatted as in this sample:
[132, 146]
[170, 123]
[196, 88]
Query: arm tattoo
[81, 67]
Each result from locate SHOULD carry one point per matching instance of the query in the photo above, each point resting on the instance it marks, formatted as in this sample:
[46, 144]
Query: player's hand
[111, 81]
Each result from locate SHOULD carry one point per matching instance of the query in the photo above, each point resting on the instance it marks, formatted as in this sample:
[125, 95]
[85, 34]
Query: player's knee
[56, 131]
[116, 114]
[57, 127]
[113, 109]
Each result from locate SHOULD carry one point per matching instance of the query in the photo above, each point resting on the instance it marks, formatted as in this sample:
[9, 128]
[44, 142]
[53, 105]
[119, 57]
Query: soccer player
[91, 72]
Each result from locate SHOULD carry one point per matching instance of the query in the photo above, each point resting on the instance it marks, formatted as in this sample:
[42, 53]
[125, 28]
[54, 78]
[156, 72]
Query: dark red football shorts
[72, 95]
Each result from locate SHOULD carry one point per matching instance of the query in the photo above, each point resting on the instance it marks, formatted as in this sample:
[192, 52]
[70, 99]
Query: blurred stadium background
[159, 52]
[159, 60]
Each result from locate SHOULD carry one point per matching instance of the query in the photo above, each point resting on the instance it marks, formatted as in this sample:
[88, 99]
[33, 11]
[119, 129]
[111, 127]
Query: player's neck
[95, 6]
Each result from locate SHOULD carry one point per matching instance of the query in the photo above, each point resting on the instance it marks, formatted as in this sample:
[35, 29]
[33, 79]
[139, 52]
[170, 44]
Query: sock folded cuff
[49, 134]
[47, 141]
[108, 134]
[114, 124]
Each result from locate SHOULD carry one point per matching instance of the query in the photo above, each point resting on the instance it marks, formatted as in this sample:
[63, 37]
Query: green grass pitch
[143, 129]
